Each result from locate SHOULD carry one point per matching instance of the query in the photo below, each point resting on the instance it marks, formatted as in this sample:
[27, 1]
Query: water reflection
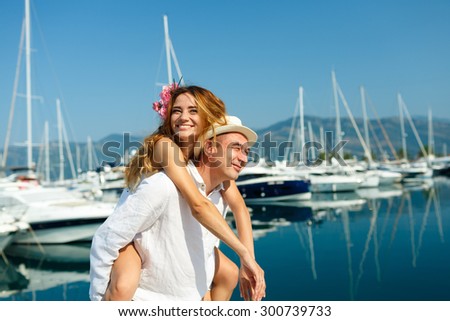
[268, 217]
[383, 233]
[375, 244]
[52, 272]
[375, 239]
[11, 279]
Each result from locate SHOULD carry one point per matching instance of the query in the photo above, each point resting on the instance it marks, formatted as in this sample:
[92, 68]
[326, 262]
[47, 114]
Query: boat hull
[60, 232]
[274, 189]
[333, 183]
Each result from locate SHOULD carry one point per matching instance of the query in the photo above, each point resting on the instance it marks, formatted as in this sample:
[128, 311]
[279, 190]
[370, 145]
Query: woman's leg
[225, 277]
[125, 275]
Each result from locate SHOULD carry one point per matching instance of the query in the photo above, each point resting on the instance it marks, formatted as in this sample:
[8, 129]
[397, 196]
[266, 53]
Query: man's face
[231, 155]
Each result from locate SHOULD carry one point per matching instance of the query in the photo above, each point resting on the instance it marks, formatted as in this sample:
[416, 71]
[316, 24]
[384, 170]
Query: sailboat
[413, 172]
[23, 173]
[369, 177]
[9, 228]
[327, 178]
[440, 165]
[55, 214]
[385, 177]
[261, 183]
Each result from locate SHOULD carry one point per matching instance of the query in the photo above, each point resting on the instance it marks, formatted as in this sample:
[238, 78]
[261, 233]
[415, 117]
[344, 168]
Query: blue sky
[103, 58]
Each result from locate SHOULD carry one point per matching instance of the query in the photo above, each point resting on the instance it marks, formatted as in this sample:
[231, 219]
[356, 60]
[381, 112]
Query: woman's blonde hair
[211, 109]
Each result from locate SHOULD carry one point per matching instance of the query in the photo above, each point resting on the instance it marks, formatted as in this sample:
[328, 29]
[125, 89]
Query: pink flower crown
[161, 105]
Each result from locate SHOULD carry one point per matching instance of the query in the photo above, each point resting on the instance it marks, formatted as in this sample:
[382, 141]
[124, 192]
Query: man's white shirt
[177, 252]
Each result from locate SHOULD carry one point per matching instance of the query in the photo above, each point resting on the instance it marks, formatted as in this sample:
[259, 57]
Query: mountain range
[111, 148]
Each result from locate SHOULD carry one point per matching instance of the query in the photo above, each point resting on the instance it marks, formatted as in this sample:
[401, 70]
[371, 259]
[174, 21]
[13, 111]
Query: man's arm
[241, 215]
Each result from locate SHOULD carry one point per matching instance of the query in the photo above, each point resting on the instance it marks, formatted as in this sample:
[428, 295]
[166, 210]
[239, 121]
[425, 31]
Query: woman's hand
[252, 284]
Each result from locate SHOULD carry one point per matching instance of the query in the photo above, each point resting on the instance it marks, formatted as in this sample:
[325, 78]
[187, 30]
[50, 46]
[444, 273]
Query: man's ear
[210, 148]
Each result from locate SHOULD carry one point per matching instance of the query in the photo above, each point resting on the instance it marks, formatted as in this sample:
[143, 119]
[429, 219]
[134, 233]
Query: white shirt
[177, 252]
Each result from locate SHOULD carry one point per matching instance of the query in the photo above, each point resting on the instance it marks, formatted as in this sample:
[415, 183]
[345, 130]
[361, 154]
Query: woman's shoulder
[166, 151]
[165, 143]
[164, 139]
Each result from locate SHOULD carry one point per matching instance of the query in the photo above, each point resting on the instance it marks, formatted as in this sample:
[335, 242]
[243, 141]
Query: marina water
[371, 245]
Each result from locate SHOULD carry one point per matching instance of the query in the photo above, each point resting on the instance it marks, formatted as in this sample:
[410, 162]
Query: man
[177, 253]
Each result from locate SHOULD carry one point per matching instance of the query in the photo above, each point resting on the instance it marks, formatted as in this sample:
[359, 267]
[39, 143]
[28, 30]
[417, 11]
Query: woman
[187, 113]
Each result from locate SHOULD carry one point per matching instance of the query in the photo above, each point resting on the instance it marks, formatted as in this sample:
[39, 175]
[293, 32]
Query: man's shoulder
[158, 181]
[193, 171]
[160, 177]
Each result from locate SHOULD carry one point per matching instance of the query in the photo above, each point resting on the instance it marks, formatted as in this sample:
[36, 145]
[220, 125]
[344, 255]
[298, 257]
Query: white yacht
[57, 215]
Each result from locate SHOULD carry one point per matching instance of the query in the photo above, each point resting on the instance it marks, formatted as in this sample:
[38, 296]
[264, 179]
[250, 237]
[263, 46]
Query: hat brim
[226, 129]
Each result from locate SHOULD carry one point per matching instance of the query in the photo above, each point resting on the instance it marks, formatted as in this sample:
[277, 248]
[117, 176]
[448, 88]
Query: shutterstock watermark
[311, 154]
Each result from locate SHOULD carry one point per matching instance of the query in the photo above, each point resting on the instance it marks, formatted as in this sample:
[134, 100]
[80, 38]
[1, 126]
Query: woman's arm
[167, 155]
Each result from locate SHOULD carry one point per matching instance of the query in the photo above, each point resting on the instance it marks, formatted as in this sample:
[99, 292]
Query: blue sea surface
[378, 244]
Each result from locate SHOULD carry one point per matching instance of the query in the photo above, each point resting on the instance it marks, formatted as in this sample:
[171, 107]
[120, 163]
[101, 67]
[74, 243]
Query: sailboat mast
[430, 133]
[302, 120]
[311, 139]
[60, 141]
[366, 123]
[338, 116]
[28, 83]
[322, 136]
[402, 126]
[168, 45]
[47, 152]
[89, 152]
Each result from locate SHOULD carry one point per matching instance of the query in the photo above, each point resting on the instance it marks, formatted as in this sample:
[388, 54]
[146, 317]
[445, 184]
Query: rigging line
[416, 134]
[383, 130]
[69, 153]
[175, 60]
[14, 95]
[53, 71]
[291, 150]
[158, 70]
[377, 141]
[344, 101]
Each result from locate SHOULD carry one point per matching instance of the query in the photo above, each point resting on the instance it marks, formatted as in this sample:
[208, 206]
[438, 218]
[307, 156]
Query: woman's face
[185, 119]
